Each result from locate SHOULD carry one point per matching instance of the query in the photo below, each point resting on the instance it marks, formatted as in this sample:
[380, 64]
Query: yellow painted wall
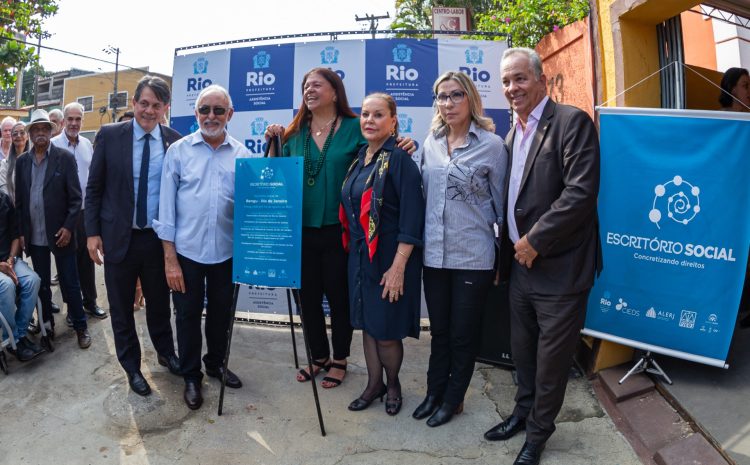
[627, 35]
[100, 86]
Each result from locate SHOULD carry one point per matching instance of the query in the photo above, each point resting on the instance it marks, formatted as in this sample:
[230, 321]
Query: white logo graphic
[651, 313]
[621, 304]
[266, 173]
[687, 319]
[605, 302]
[712, 318]
[678, 198]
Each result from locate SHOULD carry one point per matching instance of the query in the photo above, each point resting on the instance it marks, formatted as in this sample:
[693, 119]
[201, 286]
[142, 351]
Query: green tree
[20, 18]
[527, 21]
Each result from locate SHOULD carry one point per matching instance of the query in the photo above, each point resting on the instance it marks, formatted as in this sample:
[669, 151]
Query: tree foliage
[525, 21]
[20, 19]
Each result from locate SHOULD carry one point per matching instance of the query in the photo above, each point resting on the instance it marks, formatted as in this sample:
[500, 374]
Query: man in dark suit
[48, 200]
[551, 245]
[122, 200]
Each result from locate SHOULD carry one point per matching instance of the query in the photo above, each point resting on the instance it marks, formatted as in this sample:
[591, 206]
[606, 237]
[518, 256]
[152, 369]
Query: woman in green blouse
[326, 133]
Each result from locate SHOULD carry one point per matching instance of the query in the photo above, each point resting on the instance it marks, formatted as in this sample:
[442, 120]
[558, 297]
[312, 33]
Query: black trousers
[544, 332]
[68, 275]
[455, 301]
[145, 260]
[213, 281]
[324, 272]
[86, 273]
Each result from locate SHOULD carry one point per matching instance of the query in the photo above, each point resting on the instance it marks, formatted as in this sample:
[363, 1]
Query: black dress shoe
[68, 321]
[427, 407]
[232, 380]
[84, 338]
[55, 308]
[444, 414]
[506, 429]
[530, 454]
[96, 312]
[192, 396]
[138, 383]
[170, 361]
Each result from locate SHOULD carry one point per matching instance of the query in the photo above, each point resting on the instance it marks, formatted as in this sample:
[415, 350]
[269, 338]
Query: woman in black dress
[382, 213]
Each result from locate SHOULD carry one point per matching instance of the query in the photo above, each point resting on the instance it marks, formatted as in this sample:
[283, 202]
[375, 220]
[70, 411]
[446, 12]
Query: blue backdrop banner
[675, 230]
[268, 222]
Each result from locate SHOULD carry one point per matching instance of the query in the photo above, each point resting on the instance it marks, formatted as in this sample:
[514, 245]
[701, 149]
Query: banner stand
[644, 365]
[291, 326]
[297, 302]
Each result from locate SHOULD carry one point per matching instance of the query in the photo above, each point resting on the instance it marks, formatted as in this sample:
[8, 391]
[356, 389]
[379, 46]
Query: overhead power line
[68, 52]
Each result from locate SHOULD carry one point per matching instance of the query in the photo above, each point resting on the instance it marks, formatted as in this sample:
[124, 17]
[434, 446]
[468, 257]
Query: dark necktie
[141, 204]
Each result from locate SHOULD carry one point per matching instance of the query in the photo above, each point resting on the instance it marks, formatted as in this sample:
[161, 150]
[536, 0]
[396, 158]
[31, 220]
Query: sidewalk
[74, 406]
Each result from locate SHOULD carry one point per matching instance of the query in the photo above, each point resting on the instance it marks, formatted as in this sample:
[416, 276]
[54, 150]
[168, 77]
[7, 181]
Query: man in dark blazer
[48, 200]
[122, 200]
[551, 245]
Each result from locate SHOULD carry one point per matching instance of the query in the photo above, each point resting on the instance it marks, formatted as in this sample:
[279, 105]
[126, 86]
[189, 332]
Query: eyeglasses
[18, 133]
[457, 96]
[206, 109]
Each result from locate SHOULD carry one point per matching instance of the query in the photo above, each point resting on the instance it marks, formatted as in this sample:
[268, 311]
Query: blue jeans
[67, 271]
[18, 317]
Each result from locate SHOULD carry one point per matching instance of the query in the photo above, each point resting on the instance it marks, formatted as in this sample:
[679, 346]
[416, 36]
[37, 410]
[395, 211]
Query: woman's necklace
[322, 128]
[310, 170]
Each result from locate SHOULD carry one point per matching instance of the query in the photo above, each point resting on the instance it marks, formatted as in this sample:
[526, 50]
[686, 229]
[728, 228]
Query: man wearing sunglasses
[195, 223]
[122, 200]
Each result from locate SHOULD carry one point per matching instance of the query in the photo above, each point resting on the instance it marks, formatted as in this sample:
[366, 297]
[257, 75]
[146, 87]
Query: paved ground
[74, 407]
[716, 398]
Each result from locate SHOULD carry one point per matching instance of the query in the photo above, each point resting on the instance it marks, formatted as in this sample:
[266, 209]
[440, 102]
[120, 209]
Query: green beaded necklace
[310, 170]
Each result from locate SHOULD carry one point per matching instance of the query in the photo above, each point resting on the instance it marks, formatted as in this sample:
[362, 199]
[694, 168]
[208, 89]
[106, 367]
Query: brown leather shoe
[192, 396]
[84, 338]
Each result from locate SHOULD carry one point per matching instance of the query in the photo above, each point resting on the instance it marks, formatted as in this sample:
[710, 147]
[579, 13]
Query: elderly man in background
[196, 224]
[7, 140]
[57, 117]
[48, 199]
[82, 150]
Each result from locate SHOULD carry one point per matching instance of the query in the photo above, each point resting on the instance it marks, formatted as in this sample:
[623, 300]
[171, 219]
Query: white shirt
[521, 144]
[83, 151]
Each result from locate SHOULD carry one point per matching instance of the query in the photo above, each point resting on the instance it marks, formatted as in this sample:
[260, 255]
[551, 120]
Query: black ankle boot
[427, 407]
[444, 414]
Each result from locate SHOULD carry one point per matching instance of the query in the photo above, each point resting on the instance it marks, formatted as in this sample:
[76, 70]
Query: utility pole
[373, 21]
[116, 51]
[36, 77]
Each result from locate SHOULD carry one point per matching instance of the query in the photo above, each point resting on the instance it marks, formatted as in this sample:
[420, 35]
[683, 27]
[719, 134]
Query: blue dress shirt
[156, 160]
[197, 198]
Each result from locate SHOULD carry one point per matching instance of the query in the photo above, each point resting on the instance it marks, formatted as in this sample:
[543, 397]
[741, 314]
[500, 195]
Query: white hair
[534, 59]
[210, 89]
[57, 112]
[8, 119]
[71, 106]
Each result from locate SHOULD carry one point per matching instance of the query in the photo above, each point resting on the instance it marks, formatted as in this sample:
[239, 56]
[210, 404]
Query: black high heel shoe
[427, 407]
[360, 403]
[393, 404]
[444, 414]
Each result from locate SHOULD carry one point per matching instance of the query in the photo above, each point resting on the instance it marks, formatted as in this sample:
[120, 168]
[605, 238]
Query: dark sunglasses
[206, 109]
